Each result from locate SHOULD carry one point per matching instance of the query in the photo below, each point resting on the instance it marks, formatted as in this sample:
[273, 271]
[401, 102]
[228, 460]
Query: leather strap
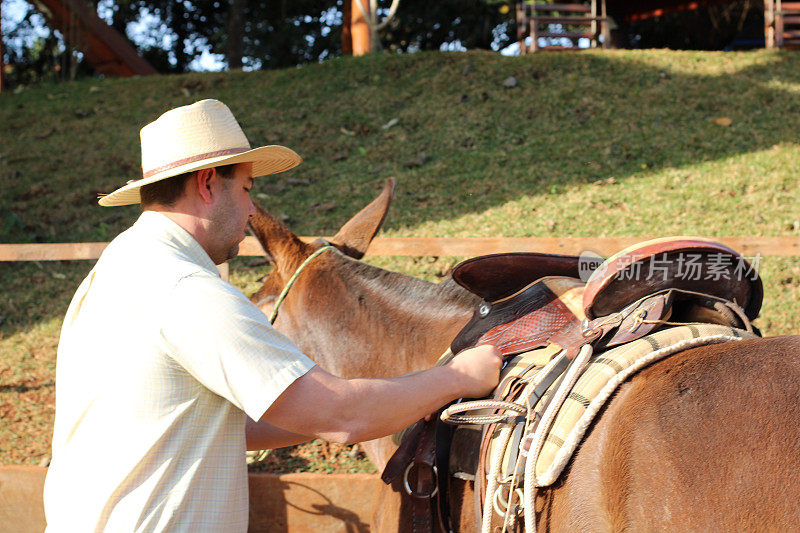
[404, 454]
[421, 498]
[444, 439]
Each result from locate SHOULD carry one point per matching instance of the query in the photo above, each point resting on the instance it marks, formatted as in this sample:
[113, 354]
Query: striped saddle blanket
[603, 373]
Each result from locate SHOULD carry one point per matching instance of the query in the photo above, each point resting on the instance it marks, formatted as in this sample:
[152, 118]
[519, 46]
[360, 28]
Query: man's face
[232, 211]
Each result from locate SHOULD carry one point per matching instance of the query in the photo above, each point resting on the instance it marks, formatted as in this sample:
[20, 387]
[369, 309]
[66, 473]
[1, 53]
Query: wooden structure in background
[781, 24]
[572, 22]
[105, 49]
[591, 18]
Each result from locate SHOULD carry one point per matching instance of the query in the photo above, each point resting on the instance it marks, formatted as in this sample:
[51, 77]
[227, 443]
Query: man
[166, 373]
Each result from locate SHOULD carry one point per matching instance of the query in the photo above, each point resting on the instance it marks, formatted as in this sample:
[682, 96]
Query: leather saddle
[497, 276]
[535, 300]
[681, 278]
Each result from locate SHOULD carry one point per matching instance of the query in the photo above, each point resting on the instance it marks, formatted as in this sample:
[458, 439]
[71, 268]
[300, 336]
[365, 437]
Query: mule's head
[287, 252]
[352, 318]
[316, 289]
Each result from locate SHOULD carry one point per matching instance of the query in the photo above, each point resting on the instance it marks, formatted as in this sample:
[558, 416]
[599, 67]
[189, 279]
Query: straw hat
[193, 137]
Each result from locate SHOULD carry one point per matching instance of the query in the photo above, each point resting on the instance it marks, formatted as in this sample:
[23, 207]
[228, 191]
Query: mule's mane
[402, 290]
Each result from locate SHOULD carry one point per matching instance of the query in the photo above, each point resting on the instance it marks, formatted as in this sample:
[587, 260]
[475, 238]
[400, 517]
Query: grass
[592, 144]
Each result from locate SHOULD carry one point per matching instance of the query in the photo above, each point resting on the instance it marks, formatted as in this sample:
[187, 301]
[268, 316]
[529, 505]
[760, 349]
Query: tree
[467, 24]
[263, 34]
[364, 22]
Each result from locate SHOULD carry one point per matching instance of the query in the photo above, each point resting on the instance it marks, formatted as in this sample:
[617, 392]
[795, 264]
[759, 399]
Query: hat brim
[266, 160]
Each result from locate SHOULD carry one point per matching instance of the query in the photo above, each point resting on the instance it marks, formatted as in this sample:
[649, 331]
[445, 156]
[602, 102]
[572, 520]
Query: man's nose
[252, 211]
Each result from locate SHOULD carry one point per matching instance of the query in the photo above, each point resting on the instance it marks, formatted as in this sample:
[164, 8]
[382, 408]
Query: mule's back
[702, 441]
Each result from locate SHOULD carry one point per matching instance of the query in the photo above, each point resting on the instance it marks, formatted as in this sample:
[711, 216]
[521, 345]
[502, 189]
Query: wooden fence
[442, 246]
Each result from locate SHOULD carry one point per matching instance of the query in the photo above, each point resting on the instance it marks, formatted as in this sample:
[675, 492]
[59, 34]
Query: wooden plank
[566, 34]
[769, 24]
[51, 252]
[566, 20]
[568, 8]
[425, 246]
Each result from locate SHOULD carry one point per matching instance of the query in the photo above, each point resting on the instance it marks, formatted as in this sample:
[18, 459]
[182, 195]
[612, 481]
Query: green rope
[288, 286]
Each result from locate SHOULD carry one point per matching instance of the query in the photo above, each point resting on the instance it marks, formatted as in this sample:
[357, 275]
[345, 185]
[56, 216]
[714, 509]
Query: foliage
[590, 144]
[264, 34]
[43, 58]
[267, 34]
[425, 25]
[283, 34]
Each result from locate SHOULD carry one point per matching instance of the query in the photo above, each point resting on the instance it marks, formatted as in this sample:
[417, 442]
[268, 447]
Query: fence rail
[411, 246]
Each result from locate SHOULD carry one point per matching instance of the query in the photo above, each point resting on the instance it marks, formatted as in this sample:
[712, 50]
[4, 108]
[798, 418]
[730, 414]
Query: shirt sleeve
[217, 335]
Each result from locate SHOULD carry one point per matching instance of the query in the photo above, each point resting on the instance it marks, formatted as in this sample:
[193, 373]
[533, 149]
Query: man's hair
[167, 191]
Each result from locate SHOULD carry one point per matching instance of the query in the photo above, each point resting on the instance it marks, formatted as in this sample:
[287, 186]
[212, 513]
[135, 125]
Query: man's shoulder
[142, 255]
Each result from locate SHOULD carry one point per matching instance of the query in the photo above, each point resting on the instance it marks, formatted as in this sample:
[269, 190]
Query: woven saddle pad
[604, 373]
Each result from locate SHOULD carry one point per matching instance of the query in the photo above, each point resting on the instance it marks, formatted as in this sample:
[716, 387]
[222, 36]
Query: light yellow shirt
[159, 362]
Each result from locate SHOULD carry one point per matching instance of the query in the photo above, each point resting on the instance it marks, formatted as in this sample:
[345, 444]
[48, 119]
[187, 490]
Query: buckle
[421, 495]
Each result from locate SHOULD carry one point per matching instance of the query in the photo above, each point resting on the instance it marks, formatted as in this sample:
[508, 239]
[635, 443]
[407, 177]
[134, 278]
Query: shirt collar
[162, 227]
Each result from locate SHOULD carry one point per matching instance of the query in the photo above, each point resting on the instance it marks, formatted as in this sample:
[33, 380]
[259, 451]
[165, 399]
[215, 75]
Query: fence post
[224, 270]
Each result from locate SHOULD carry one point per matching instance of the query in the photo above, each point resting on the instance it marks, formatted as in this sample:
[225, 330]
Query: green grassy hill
[591, 144]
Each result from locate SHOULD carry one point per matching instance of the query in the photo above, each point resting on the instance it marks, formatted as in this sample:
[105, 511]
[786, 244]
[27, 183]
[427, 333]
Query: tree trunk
[179, 26]
[359, 27]
[235, 35]
[347, 37]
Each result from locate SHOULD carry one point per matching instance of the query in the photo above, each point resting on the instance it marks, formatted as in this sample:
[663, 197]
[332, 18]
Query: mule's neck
[416, 299]
[398, 323]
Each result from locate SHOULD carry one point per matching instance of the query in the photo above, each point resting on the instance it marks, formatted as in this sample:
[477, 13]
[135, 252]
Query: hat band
[199, 157]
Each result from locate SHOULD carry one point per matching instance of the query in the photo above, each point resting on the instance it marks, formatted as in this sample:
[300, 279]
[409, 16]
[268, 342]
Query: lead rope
[285, 291]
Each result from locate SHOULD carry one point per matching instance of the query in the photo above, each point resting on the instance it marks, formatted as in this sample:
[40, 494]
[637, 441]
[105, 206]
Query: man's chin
[233, 252]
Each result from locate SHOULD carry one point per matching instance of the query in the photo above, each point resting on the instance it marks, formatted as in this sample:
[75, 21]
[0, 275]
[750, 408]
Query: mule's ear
[281, 246]
[355, 236]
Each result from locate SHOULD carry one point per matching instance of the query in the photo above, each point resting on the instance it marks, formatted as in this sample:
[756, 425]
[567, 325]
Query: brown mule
[704, 440]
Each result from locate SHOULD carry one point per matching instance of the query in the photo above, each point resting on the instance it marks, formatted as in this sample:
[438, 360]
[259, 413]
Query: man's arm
[322, 405]
[262, 435]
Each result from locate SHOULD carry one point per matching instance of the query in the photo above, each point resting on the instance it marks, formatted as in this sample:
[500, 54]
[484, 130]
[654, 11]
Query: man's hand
[479, 368]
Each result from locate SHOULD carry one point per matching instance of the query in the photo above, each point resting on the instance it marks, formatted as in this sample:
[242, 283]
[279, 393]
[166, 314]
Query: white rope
[510, 519]
[449, 414]
[491, 485]
[573, 372]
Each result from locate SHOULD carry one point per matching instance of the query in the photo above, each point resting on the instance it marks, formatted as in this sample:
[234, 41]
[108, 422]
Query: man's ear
[203, 181]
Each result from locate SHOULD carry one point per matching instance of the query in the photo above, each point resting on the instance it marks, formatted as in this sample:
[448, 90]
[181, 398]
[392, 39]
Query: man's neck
[196, 226]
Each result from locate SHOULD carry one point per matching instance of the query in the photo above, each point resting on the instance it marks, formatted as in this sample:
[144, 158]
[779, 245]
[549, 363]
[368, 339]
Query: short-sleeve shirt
[160, 361]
